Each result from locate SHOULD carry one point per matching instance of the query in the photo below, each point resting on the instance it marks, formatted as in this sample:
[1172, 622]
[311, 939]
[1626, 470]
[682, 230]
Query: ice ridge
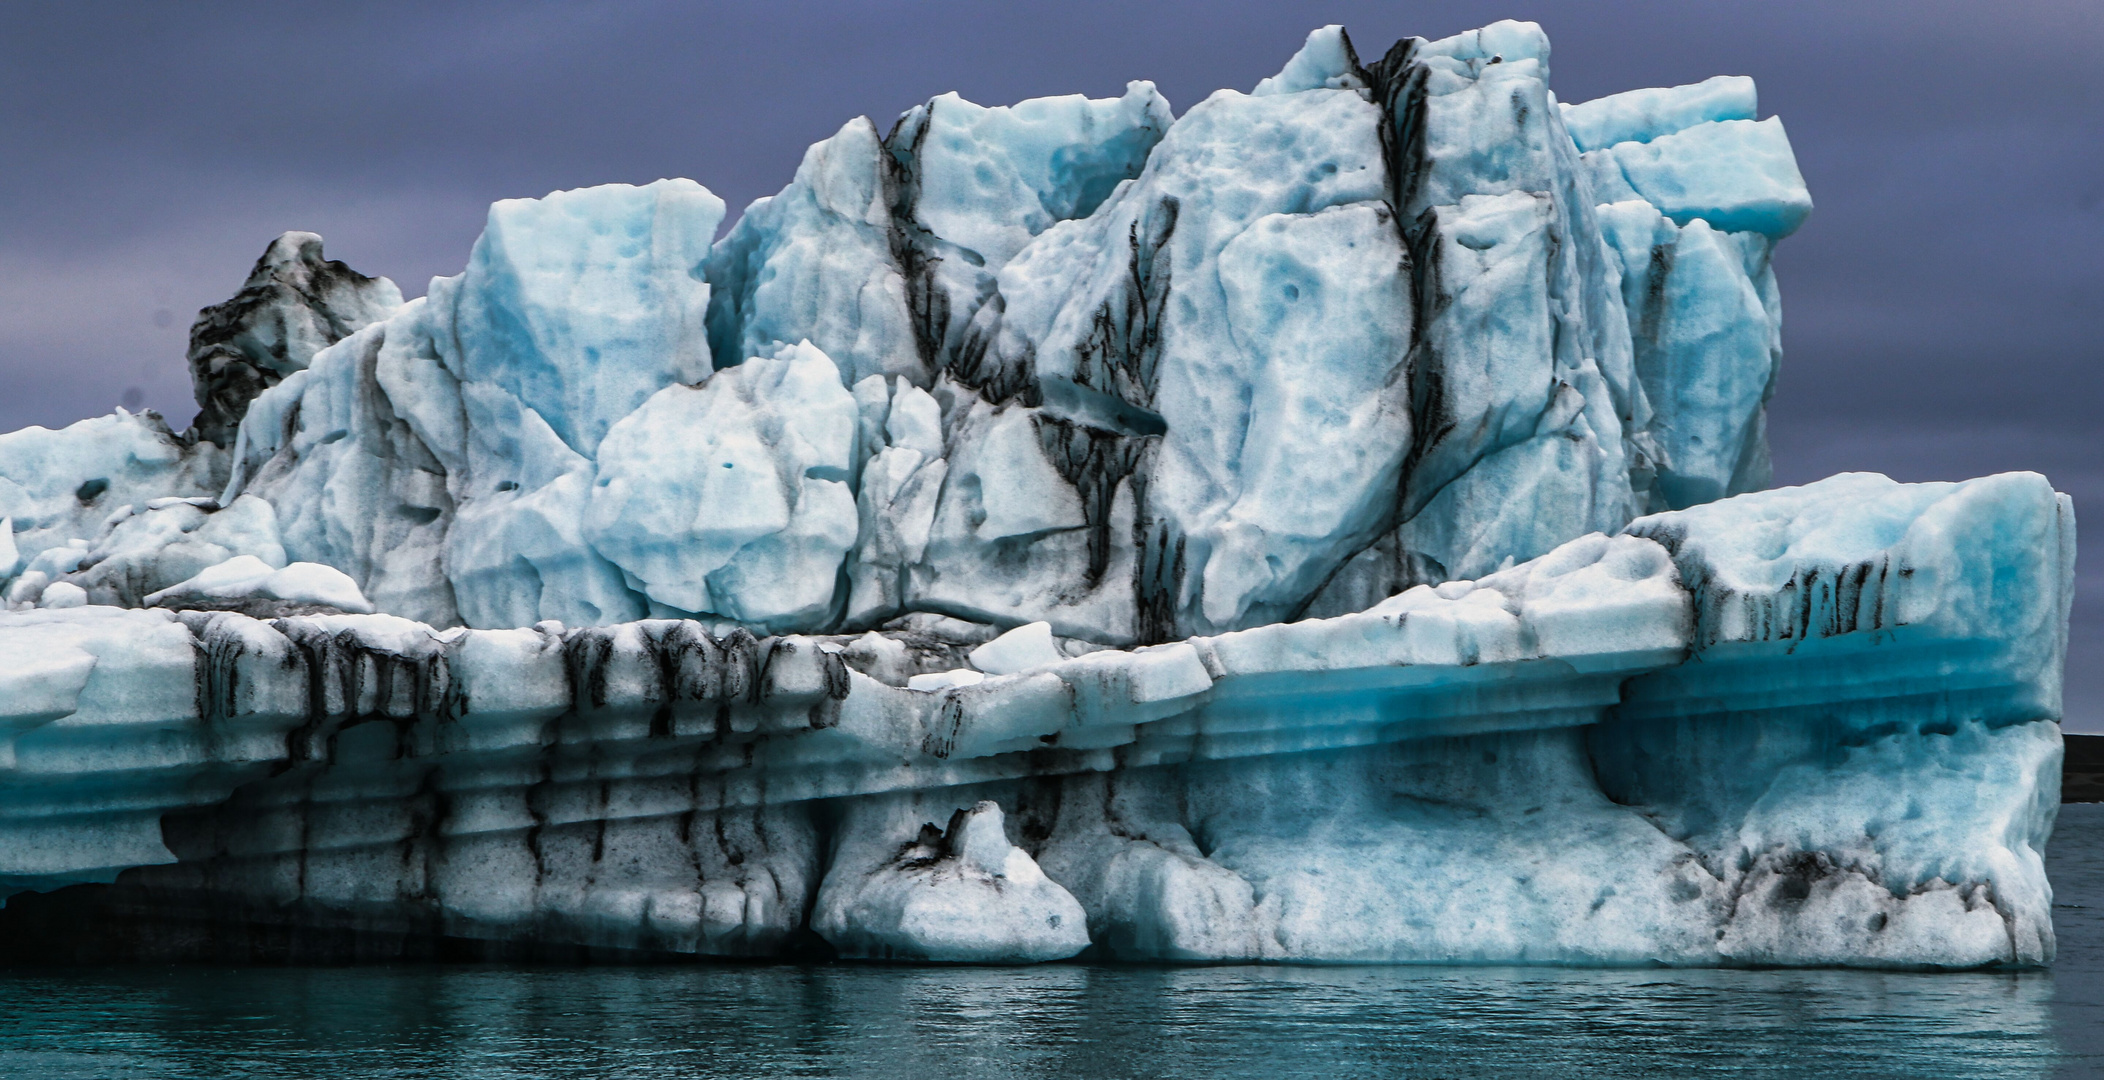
[1369, 327]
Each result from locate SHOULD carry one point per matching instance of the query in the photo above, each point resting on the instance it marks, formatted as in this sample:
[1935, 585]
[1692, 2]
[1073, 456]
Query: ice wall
[1813, 725]
[1325, 525]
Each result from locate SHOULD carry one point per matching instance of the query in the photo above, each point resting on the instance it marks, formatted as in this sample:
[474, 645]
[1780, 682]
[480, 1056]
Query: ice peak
[1326, 61]
[294, 304]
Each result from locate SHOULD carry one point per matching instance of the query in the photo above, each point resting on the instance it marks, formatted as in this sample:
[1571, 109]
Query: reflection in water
[1041, 1022]
[2075, 866]
[1073, 1020]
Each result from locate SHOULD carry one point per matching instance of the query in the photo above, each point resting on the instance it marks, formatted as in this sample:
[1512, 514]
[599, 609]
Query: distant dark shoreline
[2082, 773]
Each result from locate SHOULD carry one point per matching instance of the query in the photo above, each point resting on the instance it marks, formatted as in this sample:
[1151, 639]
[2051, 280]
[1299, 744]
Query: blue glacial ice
[1329, 525]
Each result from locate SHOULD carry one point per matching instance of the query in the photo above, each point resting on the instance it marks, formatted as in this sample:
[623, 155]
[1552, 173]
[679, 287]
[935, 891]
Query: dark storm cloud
[1942, 306]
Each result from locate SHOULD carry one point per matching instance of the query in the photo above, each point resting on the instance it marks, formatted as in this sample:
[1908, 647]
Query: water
[1079, 1021]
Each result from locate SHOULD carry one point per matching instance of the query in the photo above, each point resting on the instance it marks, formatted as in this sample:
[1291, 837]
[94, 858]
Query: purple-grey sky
[1944, 307]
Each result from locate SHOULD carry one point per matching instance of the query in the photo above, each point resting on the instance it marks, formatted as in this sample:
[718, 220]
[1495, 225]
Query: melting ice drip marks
[236, 893]
[220, 659]
[697, 683]
[1158, 573]
[1116, 363]
[1652, 322]
[1432, 421]
[1113, 388]
[350, 682]
[927, 302]
[1397, 82]
[1097, 429]
[1397, 85]
[941, 740]
[700, 684]
[690, 668]
[732, 677]
[1094, 462]
[705, 689]
[1445, 439]
[1122, 352]
[979, 365]
[1815, 602]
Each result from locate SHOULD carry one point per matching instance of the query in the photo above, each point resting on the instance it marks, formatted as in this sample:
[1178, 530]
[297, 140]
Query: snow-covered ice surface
[245, 577]
[1324, 526]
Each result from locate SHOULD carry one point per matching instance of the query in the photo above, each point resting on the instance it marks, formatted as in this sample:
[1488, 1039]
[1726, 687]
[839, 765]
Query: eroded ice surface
[1812, 725]
[1326, 525]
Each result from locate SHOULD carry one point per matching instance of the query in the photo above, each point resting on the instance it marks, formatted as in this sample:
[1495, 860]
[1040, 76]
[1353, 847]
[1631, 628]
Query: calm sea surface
[1079, 1021]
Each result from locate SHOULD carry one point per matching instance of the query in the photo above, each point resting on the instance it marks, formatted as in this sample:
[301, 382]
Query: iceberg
[1329, 525]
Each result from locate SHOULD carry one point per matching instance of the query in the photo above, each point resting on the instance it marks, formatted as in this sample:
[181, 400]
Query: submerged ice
[1325, 525]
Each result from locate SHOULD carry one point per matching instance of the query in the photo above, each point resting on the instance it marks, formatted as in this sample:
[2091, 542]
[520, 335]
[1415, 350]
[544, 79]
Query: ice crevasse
[1330, 524]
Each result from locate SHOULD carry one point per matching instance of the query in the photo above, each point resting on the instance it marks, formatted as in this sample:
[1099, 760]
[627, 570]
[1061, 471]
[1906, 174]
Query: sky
[1943, 308]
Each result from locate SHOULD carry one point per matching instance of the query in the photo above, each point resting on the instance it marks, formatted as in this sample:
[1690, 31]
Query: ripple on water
[1079, 1021]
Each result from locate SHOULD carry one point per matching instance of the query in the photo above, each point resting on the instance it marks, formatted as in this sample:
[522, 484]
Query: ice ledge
[1853, 586]
[1881, 613]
